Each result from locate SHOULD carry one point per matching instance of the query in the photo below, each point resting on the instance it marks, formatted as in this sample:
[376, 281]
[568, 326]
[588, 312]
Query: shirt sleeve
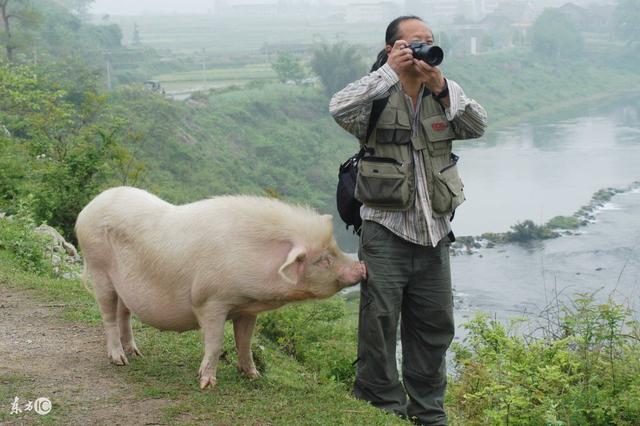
[468, 117]
[351, 107]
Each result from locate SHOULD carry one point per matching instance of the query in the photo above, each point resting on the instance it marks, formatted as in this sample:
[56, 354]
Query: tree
[337, 65]
[554, 36]
[63, 147]
[627, 21]
[79, 7]
[10, 12]
[288, 68]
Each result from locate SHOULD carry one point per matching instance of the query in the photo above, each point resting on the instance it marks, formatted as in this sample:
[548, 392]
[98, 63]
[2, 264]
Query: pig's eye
[324, 262]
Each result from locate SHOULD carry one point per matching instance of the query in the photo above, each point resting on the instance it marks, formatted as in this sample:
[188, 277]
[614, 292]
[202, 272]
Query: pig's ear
[329, 220]
[291, 269]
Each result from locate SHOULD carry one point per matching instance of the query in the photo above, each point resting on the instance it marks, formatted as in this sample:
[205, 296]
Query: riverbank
[527, 231]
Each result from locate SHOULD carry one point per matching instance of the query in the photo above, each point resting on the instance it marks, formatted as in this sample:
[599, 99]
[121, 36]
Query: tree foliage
[18, 18]
[61, 147]
[554, 36]
[288, 68]
[337, 65]
[627, 21]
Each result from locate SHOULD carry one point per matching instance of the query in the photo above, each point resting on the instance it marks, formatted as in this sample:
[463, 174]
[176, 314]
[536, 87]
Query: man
[404, 240]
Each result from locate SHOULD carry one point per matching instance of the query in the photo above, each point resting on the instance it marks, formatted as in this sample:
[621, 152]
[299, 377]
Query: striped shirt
[351, 108]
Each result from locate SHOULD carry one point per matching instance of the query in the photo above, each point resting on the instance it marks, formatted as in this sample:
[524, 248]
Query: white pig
[197, 265]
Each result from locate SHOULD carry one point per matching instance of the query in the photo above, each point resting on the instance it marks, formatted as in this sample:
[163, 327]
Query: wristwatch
[443, 93]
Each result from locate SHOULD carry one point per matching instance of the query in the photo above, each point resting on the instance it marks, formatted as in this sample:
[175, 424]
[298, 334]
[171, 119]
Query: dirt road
[41, 355]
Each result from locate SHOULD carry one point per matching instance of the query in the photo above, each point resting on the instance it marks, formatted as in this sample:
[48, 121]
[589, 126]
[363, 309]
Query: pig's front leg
[211, 317]
[243, 329]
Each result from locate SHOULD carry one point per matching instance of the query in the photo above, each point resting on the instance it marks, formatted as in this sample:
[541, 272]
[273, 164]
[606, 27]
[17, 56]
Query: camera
[431, 54]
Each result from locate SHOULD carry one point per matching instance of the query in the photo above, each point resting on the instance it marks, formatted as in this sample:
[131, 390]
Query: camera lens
[432, 55]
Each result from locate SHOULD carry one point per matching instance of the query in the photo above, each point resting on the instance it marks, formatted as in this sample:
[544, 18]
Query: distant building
[433, 10]
[371, 12]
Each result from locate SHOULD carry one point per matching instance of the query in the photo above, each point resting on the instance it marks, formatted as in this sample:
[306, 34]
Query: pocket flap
[451, 178]
[437, 128]
[403, 119]
[455, 185]
[382, 167]
[387, 119]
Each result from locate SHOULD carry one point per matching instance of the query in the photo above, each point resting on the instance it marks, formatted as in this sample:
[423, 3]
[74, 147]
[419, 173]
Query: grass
[287, 394]
[216, 77]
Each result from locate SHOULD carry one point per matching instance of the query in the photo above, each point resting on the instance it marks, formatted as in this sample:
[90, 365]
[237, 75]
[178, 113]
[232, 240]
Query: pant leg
[427, 331]
[388, 260]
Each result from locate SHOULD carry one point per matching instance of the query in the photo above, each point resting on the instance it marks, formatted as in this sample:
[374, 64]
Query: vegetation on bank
[527, 231]
[580, 365]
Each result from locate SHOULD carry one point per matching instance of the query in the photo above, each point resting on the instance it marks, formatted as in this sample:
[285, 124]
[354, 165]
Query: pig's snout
[353, 274]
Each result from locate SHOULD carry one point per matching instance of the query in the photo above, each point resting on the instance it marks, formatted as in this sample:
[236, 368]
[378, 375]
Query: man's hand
[401, 57]
[430, 76]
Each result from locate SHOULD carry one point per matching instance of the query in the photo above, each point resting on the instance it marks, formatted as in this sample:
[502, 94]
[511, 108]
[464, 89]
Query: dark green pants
[412, 283]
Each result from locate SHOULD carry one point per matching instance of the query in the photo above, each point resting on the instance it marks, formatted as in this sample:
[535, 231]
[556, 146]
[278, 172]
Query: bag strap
[376, 112]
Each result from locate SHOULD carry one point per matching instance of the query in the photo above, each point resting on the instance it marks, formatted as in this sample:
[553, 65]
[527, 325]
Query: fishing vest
[386, 176]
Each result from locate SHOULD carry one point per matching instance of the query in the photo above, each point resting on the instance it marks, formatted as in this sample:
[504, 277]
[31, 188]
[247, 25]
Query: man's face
[413, 30]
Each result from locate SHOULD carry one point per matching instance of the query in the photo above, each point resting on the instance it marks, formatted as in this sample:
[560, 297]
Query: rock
[59, 242]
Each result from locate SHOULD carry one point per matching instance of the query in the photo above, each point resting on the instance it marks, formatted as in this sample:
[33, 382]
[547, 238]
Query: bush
[586, 370]
[564, 222]
[528, 231]
[17, 236]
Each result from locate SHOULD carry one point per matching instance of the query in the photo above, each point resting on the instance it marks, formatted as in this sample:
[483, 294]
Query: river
[538, 170]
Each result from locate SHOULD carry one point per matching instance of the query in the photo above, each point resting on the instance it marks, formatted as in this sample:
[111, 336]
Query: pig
[194, 266]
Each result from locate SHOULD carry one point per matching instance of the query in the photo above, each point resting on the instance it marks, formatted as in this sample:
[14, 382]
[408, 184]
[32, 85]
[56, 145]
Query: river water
[538, 170]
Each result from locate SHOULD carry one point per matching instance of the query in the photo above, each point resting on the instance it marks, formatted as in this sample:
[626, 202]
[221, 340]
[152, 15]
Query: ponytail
[380, 60]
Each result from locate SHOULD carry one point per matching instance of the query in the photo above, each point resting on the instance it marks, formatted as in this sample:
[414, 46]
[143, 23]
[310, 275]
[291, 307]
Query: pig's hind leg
[107, 298]
[243, 329]
[126, 333]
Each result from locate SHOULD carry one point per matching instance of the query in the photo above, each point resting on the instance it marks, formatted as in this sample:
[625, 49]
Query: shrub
[564, 222]
[17, 236]
[585, 371]
[528, 231]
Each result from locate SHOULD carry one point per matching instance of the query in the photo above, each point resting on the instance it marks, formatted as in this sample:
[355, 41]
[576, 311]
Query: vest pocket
[393, 127]
[385, 183]
[448, 191]
[438, 133]
[393, 136]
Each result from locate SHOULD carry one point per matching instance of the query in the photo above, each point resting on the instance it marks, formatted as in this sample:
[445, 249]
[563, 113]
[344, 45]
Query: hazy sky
[128, 7]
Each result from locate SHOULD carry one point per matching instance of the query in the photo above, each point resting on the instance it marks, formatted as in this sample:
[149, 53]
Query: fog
[125, 7]
[144, 7]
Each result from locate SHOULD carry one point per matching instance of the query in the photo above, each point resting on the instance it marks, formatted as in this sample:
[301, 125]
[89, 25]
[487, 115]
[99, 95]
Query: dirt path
[41, 355]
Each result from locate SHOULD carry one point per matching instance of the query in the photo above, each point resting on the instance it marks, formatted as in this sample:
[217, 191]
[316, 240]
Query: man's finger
[399, 44]
[426, 67]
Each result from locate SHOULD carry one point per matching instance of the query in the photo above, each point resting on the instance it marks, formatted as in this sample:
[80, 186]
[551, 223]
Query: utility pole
[204, 64]
[108, 58]
[35, 62]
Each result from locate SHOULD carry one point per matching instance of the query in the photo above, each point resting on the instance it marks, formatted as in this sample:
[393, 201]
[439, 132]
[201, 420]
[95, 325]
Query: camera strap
[376, 111]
